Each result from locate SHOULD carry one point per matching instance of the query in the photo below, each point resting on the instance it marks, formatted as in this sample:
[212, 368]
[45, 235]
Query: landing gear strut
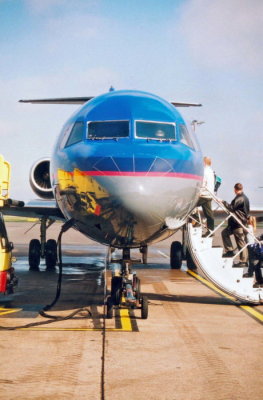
[42, 249]
[126, 289]
[144, 252]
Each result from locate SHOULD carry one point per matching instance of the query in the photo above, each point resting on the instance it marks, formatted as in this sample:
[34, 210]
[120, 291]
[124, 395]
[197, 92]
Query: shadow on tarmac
[189, 299]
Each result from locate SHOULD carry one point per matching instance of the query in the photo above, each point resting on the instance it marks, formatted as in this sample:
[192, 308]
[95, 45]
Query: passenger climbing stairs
[222, 272]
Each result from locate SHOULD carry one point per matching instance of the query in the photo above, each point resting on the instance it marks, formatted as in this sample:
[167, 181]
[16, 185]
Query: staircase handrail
[232, 214]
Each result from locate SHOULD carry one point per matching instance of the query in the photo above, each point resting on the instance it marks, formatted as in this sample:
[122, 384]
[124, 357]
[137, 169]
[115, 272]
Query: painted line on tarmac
[4, 311]
[123, 323]
[257, 315]
[210, 285]
[125, 319]
[163, 254]
[249, 310]
[73, 329]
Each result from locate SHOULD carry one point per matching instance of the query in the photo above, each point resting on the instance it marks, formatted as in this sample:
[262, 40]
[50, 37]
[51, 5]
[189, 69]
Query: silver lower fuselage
[127, 211]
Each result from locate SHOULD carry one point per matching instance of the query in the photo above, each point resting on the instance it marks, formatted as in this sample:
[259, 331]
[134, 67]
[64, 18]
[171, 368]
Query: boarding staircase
[222, 272]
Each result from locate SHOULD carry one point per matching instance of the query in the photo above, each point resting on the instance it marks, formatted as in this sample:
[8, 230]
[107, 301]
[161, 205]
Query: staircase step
[220, 270]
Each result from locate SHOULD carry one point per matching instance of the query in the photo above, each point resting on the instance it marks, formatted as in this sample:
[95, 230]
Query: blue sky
[185, 50]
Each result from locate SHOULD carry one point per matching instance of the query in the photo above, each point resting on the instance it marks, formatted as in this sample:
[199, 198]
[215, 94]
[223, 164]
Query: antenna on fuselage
[111, 89]
[195, 123]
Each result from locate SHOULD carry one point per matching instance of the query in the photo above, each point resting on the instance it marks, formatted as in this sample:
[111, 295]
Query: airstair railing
[232, 214]
[229, 215]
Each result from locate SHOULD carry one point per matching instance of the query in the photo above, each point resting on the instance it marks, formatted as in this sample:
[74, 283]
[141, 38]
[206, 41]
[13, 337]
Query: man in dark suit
[240, 207]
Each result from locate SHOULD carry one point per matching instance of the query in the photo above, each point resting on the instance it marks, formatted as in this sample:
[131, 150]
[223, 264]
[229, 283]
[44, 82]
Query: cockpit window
[184, 136]
[155, 130]
[76, 134]
[108, 129]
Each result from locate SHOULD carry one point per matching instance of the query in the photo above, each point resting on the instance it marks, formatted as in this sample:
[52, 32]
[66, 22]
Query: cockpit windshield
[155, 130]
[184, 136]
[108, 129]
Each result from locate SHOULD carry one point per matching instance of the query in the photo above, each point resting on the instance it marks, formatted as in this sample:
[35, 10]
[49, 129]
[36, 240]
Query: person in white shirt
[251, 227]
[205, 199]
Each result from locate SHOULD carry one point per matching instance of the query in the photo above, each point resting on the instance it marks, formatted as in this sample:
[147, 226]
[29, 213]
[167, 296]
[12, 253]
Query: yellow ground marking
[126, 325]
[9, 218]
[210, 284]
[4, 310]
[254, 313]
[74, 329]
[125, 319]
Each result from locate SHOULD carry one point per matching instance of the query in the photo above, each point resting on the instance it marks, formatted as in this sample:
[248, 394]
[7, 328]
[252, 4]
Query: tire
[51, 253]
[109, 308]
[189, 261]
[176, 255]
[116, 289]
[34, 254]
[144, 307]
[136, 287]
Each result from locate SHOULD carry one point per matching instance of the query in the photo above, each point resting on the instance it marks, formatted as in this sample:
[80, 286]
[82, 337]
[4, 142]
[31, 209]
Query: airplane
[126, 170]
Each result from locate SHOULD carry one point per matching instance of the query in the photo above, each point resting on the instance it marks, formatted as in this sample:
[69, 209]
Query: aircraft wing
[64, 100]
[82, 100]
[178, 104]
[34, 209]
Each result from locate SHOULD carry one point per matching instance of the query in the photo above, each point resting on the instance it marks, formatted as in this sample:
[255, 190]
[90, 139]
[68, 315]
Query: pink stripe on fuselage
[145, 174]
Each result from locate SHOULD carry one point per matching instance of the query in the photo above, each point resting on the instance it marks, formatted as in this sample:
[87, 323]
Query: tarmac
[196, 344]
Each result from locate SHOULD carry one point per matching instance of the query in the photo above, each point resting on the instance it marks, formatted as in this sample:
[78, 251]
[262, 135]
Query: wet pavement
[195, 344]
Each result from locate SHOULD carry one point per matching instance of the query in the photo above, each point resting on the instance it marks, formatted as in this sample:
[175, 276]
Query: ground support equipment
[7, 273]
[8, 279]
[125, 290]
[221, 271]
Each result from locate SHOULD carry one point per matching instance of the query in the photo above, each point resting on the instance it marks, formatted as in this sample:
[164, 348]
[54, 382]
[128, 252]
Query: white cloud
[223, 33]
[73, 28]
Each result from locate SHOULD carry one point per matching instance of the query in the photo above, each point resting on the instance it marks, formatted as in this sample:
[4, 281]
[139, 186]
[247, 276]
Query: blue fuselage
[127, 169]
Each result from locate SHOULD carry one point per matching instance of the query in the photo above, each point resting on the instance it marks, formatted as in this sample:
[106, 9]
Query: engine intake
[40, 179]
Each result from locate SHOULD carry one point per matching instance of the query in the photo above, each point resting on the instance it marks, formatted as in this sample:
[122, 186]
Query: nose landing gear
[126, 290]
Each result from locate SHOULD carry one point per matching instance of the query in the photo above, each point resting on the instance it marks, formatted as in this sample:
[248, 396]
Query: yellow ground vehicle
[7, 277]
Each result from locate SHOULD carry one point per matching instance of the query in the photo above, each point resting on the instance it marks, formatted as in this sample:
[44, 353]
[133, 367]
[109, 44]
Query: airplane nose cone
[154, 188]
[127, 200]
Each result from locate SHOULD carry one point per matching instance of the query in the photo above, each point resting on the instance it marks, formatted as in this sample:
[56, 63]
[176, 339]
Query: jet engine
[40, 179]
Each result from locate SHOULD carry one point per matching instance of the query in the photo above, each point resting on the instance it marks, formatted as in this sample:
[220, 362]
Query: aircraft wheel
[109, 308]
[189, 261]
[51, 253]
[136, 287]
[116, 287]
[34, 254]
[176, 255]
[144, 307]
